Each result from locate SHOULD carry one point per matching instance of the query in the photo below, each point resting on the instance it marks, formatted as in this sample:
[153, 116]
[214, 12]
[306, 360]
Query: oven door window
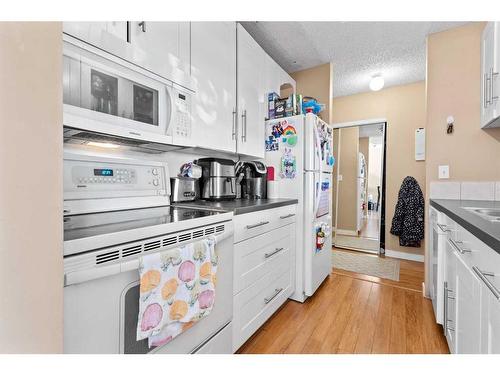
[130, 317]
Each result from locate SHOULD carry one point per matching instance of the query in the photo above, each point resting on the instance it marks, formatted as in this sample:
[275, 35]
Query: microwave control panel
[182, 115]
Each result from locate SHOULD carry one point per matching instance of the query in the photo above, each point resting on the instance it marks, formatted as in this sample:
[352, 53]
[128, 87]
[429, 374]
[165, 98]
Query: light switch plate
[444, 172]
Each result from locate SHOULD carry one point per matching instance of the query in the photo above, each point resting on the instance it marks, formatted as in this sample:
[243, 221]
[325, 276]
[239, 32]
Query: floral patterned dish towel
[177, 288]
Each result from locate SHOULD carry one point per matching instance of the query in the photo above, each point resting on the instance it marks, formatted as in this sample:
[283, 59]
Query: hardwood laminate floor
[353, 313]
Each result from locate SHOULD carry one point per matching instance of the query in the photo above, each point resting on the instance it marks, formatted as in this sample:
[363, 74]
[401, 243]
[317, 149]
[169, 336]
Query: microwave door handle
[170, 115]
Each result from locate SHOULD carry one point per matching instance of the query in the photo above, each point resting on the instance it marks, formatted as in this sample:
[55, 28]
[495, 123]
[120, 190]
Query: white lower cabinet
[471, 320]
[468, 301]
[264, 266]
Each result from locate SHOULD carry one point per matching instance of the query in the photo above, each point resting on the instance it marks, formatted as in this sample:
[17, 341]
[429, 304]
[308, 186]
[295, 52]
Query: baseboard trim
[406, 256]
[346, 232]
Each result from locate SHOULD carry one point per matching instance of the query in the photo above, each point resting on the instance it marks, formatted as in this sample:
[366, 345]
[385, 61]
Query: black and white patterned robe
[408, 220]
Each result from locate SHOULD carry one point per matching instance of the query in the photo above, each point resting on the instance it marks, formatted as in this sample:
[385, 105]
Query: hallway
[353, 313]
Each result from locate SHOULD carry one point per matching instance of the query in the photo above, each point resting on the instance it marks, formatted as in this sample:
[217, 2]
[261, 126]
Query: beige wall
[31, 272]
[404, 108]
[318, 83]
[347, 214]
[453, 88]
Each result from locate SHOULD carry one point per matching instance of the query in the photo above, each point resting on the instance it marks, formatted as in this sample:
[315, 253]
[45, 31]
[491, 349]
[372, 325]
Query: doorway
[359, 192]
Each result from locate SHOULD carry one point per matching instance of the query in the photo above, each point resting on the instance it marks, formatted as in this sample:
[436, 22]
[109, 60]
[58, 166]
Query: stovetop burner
[88, 225]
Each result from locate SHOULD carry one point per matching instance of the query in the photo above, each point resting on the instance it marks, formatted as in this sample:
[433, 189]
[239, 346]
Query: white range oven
[111, 222]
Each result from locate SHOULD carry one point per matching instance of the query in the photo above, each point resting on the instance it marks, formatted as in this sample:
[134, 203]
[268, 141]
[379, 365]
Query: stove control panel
[133, 183]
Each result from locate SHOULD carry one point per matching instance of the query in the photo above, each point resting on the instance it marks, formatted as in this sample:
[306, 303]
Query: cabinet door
[449, 318]
[162, 47]
[250, 95]
[490, 318]
[468, 327]
[487, 67]
[99, 34]
[213, 59]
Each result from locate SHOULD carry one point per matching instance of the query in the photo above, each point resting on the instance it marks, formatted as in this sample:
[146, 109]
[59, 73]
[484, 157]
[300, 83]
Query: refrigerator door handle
[318, 187]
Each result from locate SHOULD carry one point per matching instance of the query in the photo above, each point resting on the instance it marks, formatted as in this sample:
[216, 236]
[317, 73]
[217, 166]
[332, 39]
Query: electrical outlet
[339, 177]
[444, 172]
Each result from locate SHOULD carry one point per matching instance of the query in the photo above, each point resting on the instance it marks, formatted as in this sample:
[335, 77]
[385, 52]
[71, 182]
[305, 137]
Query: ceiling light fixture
[377, 83]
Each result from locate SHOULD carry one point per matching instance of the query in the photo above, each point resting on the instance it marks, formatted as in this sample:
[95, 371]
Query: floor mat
[386, 268]
[352, 242]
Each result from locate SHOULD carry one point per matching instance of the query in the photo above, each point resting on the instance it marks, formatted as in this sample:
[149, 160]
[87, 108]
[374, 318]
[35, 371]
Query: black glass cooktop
[88, 225]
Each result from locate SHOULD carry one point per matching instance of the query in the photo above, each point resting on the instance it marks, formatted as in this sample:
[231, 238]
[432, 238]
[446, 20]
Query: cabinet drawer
[255, 223]
[256, 304]
[259, 256]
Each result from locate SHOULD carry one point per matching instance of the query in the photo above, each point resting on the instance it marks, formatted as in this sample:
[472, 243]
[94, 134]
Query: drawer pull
[269, 255]
[482, 275]
[276, 292]
[443, 227]
[257, 225]
[459, 249]
[287, 216]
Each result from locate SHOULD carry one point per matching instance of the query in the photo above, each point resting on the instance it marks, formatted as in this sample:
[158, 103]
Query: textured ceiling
[358, 50]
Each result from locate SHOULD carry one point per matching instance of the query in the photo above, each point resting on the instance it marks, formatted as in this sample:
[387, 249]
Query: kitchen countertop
[487, 231]
[240, 206]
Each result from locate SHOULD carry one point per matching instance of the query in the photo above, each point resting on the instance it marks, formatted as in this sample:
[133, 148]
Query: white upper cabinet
[490, 79]
[99, 34]
[251, 59]
[213, 70]
[162, 47]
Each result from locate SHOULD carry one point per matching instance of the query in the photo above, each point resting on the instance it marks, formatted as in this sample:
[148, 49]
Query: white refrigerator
[300, 148]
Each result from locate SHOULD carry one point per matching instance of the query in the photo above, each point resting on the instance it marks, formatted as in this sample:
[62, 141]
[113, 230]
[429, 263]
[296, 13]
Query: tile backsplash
[465, 190]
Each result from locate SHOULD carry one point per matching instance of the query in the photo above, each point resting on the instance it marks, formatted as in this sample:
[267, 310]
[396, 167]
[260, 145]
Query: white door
[250, 95]
[97, 33]
[162, 47]
[317, 231]
[214, 81]
[468, 327]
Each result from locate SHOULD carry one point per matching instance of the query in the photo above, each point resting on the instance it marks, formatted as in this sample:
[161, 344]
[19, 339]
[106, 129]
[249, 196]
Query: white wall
[375, 166]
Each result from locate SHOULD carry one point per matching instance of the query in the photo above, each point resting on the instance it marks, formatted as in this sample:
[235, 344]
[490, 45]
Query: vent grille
[152, 245]
[136, 249]
[197, 233]
[131, 251]
[185, 237]
[169, 241]
[107, 257]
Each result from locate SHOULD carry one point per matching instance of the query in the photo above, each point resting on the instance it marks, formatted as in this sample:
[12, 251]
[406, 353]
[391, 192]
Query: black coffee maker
[254, 183]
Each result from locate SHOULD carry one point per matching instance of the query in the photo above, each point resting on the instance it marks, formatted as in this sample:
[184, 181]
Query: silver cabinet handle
[276, 292]
[269, 255]
[488, 82]
[492, 95]
[287, 216]
[257, 225]
[233, 135]
[485, 91]
[244, 125]
[142, 25]
[443, 227]
[459, 249]
[482, 275]
[445, 307]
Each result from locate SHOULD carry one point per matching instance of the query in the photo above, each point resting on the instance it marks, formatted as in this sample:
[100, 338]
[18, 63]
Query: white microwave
[106, 94]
